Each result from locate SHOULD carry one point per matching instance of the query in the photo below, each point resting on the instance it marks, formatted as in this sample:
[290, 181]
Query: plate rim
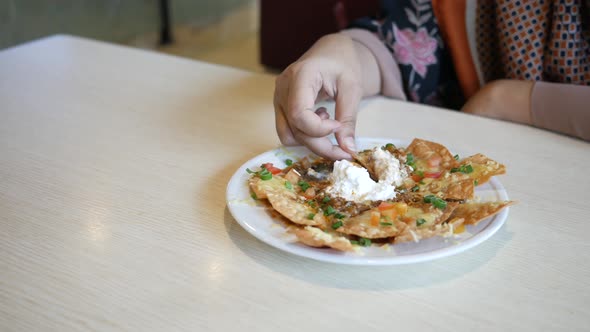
[360, 260]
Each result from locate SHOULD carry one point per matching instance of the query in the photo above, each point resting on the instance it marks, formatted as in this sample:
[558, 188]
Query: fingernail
[349, 143]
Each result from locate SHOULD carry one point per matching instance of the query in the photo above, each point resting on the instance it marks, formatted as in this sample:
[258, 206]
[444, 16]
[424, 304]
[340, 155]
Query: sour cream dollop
[388, 168]
[353, 183]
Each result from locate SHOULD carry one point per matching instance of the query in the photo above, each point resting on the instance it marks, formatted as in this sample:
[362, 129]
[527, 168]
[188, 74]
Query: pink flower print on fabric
[414, 48]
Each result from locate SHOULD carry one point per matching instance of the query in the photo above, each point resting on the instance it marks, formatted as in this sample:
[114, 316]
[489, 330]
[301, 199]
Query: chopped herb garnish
[254, 197]
[475, 182]
[419, 173]
[311, 216]
[440, 204]
[421, 182]
[354, 242]
[409, 158]
[303, 185]
[288, 185]
[329, 211]
[311, 203]
[463, 169]
[415, 188]
[456, 157]
[429, 198]
[265, 175]
[288, 162]
[436, 202]
[337, 224]
[326, 199]
[420, 222]
[386, 224]
[364, 242]
[339, 215]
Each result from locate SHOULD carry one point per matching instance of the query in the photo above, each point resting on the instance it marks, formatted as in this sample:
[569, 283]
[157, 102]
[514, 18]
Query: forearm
[563, 108]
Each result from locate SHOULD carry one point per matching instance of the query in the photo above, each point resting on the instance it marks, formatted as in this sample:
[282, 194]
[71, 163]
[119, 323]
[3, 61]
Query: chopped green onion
[265, 175]
[415, 188]
[419, 173]
[311, 216]
[409, 158]
[250, 171]
[254, 197]
[475, 183]
[364, 242]
[420, 222]
[337, 224]
[288, 185]
[429, 198]
[386, 224]
[354, 242]
[463, 169]
[421, 182]
[436, 202]
[389, 145]
[339, 215]
[303, 185]
[311, 203]
[456, 157]
[288, 162]
[440, 204]
[326, 199]
[329, 211]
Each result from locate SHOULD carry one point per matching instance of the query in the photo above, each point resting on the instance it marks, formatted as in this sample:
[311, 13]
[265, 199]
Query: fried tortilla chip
[366, 225]
[361, 225]
[453, 186]
[483, 168]
[424, 150]
[293, 208]
[415, 235]
[475, 212]
[261, 187]
[315, 237]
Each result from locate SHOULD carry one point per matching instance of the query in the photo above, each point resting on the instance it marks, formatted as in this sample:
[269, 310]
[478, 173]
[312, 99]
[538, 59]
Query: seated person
[528, 64]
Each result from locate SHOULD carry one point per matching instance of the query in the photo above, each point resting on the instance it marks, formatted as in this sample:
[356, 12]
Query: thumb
[347, 100]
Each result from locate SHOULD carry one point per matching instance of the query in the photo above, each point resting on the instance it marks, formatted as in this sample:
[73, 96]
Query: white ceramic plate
[256, 219]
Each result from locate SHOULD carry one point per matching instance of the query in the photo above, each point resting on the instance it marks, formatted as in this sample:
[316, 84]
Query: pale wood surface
[113, 167]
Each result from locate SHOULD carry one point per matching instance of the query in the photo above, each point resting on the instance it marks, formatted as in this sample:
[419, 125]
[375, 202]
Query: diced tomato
[432, 175]
[416, 177]
[390, 214]
[434, 161]
[386, 206]
[271, 168]
[375, 217]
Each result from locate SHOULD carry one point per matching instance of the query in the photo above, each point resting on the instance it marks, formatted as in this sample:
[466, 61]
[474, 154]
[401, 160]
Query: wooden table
[113, 169]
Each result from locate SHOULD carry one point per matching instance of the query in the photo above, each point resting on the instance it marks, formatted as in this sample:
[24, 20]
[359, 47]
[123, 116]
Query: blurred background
[255, 35]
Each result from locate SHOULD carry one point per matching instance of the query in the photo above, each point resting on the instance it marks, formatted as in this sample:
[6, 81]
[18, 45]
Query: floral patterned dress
[409, 30]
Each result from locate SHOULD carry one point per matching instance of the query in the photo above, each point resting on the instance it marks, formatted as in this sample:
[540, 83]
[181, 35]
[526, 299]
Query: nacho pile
[387, 195]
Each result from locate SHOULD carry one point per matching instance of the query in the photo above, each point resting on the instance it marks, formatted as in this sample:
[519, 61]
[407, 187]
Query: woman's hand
[334, 67]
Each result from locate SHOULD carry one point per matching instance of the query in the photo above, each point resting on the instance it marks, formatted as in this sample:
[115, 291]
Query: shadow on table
[365, 277]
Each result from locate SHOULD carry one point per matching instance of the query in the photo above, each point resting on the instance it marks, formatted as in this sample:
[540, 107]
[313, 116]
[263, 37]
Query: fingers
[285, 134]
[322, 113]
[322, 146]
[347, 101]
[302, 93]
